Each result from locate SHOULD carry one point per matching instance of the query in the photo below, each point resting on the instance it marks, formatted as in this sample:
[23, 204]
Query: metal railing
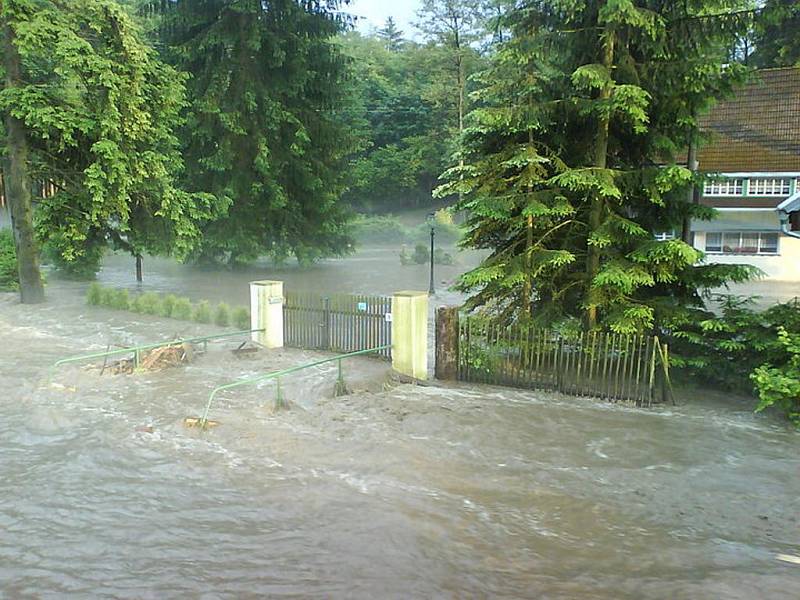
[276, 375]
[137, 350]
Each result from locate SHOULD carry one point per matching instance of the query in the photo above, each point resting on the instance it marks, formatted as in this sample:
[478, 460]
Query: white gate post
[410, 334]
[266, 312]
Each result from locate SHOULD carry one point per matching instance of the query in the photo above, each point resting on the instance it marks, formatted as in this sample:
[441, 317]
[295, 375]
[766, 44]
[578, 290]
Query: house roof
[758, 129]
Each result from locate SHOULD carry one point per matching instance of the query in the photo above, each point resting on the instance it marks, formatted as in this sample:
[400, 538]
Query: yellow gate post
[410, 334]
[266, 312]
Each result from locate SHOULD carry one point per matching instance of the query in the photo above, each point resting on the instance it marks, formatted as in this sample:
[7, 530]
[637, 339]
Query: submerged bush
[379, 229]
[9, 275]
[241, 318]
[222, 316]
[120, 299]
[150, 303]
[182, 309]
[94, 294]
[168, 305]
[107, 297]
[202, 312]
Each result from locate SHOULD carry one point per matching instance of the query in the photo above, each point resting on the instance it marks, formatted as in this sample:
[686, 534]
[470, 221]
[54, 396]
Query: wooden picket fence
[633, 368]
[337, 322]
[40, 189]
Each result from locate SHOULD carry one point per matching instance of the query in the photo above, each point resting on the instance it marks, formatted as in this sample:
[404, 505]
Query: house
[753, 154]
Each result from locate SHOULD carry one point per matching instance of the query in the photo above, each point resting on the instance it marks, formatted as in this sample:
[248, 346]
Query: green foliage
[440, 257]
[262, 132]
[168, 305]
[737, 347]
[120, 299]
[779, 386]
[388, 229]
[9, 274]
[403, 106]
[563, 179]
[777, 43]
[182, 310]
[241, 318]
[222, 316]
[202, 312]
[150, 303]
[84, 268]
[421, 254]
[107, 297]
[94, 294]
[99, 108]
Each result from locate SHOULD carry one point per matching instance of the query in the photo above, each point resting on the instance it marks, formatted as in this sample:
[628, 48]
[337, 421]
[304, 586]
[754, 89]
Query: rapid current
[395, 491]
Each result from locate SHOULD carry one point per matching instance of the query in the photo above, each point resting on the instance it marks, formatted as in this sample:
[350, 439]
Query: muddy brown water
[395, 491]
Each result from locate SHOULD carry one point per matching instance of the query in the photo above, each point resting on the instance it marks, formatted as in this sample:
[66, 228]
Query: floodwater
[395, 491]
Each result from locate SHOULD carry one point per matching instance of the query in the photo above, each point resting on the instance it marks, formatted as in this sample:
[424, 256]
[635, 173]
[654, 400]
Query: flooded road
[395, 491]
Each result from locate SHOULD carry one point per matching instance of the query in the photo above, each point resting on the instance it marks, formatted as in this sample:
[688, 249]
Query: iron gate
[337, 322]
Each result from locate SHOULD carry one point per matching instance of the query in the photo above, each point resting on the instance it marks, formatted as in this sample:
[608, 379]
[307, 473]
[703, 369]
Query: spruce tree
[265, 82]
[570, 162]
[392, 36]
[777, 35]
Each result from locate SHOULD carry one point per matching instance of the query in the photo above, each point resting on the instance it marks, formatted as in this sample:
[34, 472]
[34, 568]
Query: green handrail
[277, 374]
[137, 349]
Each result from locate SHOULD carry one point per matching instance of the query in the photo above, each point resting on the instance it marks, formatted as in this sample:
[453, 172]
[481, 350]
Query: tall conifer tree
[265, 83]
[569, 163]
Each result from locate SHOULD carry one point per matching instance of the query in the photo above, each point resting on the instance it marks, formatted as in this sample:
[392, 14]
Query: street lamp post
[431, 289]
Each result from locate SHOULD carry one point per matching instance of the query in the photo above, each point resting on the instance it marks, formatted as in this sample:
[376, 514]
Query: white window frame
[724, 187]
[759, 245]
[769, 186]
[663, 236]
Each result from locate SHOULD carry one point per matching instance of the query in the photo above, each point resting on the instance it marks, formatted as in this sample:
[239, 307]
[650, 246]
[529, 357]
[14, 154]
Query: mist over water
[394, 491]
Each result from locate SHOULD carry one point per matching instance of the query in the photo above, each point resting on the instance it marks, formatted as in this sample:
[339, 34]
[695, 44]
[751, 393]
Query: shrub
[150, 303]
[222, 316]
[9, 275]
[168, 305]
[440, 257]
[779, 386]
[94, 294]
[107, 297]
[202, 312]
[421, 254]
[182, 309]
[241, 318]
[120, 299]
[82, 267]
[379, 228]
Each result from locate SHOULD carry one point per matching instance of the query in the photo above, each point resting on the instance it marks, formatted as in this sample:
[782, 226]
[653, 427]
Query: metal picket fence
[337, 322]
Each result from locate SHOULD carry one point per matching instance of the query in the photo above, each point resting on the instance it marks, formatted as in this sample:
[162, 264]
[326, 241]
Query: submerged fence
[632, 368]
[337, 322]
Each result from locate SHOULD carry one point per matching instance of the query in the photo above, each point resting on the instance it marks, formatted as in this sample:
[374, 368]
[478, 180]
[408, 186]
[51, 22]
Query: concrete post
[447, 343]
[266, 312]
[410, 334]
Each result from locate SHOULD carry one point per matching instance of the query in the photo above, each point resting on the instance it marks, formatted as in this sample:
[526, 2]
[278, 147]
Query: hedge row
[150, 303]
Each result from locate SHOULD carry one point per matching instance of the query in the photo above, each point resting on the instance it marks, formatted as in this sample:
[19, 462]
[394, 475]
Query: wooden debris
[795, 560]
[246, 348]
[192, 422]
[158, 359]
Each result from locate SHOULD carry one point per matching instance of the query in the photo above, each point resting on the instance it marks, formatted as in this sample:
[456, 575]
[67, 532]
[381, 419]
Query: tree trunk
[139, 273]
[694, 195]
[18, 186]
[600, 161]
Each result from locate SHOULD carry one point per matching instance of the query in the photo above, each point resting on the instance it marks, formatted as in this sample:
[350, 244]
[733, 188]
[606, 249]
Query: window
[713, 242]
[663, 236]
[742, 242]
[769, 187]
[724, 187]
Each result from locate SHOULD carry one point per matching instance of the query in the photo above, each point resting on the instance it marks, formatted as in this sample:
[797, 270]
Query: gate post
[266, 312]
[447, 343]
[410, 334]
